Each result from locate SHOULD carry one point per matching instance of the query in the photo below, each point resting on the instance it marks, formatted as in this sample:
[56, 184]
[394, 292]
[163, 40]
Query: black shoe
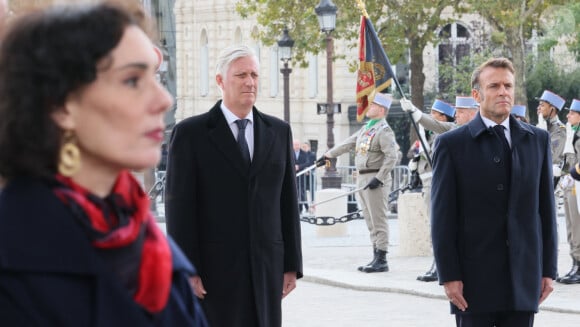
[362, 268]
[572, 279]
[573, 271]
[429, 276]
[379, 265]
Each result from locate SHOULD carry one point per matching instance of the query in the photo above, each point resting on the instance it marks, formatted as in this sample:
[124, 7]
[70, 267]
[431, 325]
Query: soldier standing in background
[570, 199]
[439, 121]
[376, 156]
[550, 104]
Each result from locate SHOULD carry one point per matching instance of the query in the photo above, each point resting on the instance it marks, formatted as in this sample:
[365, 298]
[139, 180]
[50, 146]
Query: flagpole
[364, 12]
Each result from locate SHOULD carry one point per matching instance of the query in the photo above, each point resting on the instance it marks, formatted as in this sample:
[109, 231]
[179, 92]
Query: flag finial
[362, 7]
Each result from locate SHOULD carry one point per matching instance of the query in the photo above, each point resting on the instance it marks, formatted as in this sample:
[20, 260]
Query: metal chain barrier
[329, 221]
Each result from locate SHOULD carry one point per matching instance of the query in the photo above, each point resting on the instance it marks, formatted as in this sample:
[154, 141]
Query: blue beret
[444, 108]
[383, 100]
[553, 99]
[519, 110]
[466, 102]
[575, 106]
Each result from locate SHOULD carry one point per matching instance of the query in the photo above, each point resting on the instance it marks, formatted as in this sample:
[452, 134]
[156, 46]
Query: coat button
[496, 159]
[499, 187]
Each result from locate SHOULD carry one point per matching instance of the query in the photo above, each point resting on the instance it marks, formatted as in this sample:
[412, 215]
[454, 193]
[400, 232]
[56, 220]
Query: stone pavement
[332, 260]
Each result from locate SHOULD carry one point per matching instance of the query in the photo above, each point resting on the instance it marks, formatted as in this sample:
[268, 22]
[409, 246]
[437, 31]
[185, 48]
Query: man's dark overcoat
[238, 225]
[496, 235]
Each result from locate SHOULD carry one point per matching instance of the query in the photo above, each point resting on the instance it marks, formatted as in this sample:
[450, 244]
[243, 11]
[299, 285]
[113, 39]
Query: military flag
[375, 72]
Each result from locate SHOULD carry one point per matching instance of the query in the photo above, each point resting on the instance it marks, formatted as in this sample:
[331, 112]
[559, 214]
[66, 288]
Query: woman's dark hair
[44, 57]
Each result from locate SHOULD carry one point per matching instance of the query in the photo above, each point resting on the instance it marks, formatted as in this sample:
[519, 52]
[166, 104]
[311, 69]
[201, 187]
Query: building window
[453, 47]
[204, 65]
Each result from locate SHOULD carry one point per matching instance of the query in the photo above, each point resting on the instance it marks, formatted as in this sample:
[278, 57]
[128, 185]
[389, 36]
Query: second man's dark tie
[242, 123]
[500, 131]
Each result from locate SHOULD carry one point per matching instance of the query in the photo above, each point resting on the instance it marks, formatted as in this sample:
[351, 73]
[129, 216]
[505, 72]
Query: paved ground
[319, 305]
[333, 293]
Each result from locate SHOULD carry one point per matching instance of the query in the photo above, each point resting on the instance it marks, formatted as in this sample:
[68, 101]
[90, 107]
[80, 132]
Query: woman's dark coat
[50, 275]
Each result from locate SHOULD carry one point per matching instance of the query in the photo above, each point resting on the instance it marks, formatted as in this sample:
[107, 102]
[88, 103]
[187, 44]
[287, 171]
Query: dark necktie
[500, 131]
[242, 123]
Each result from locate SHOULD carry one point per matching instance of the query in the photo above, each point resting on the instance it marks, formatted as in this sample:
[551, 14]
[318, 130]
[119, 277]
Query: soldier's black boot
[361, 268]
[572, 270]
[379, 265]
[574, 274]
[431, 275]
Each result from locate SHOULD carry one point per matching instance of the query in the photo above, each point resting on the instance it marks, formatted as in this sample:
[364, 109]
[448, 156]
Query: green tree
[561, 22]
[513, 22]
[404, 28]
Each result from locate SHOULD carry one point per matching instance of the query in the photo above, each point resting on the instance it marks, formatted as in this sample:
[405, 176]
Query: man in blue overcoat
[493, 215]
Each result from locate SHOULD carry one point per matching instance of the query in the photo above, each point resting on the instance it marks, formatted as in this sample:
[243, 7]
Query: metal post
[286, 73]
[331, 179]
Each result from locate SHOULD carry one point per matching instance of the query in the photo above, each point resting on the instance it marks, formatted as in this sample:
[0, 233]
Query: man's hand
[547, 288]
[373, 184]
[321, 161]
[407, 105]
[454, 292]
[289, 283]
[197, 286]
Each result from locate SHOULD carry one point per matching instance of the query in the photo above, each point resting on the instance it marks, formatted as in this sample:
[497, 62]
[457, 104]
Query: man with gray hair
[231, 201]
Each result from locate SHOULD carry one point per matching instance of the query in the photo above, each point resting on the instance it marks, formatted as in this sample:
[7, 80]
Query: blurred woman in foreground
[80, 107]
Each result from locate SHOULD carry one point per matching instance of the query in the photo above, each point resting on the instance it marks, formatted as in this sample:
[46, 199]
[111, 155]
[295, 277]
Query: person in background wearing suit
[231, 201]
[80, 108]
[302, 162]
[310, 176]
[493, 217]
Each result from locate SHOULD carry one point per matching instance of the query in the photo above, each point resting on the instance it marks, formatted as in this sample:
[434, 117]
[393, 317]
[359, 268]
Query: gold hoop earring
[70, 156]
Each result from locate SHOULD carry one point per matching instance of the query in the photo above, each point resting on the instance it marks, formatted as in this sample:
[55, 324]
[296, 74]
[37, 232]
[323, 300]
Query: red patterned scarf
[123, 230]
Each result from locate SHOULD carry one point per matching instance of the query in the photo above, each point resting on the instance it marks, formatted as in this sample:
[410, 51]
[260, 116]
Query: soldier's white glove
[567, 182]
[413, 163]
[409, 107]
[556, 170]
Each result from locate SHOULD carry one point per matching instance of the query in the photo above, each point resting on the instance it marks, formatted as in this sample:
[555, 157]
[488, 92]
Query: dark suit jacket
[497, 236]
[303, 162]
[239, 226]
[50, 275]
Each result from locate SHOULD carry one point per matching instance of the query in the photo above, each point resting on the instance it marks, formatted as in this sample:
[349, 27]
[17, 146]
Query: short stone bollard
[414, 226]
[335, 208]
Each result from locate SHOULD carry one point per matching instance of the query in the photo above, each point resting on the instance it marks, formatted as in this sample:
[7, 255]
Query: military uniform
[557, 132]
[571, 211]
[376, 155]
[571, 198]
[425, 172]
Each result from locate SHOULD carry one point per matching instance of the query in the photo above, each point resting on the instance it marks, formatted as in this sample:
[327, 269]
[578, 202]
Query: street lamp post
[326, 12]
[285, 45]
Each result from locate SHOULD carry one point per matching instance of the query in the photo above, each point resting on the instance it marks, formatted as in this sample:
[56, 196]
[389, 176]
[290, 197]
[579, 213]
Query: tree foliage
[513, 22]
[401, 26]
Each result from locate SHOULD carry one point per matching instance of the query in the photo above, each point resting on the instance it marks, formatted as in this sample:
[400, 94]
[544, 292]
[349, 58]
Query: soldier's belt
[368, 171]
